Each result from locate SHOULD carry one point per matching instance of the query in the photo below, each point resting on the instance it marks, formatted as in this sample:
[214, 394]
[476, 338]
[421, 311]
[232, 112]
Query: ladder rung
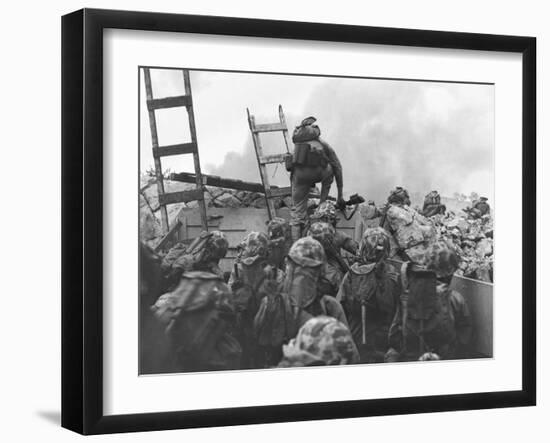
[275, 158]
[269, 127]
[280, 192]
[182, 148]
[181, 197]
[168, 102]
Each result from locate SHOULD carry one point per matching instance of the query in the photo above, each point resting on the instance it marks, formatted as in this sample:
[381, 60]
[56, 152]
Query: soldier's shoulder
[331, 303]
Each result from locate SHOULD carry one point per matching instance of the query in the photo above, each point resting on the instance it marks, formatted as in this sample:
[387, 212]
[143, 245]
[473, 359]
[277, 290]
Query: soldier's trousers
[302, 180]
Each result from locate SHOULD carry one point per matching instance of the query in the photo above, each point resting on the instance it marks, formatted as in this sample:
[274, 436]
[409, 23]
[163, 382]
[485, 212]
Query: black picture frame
[82, 220]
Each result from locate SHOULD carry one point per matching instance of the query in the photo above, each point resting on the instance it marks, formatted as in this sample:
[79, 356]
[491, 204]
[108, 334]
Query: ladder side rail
[155, 145]
[265, 178]
[282, 119]
[263, 173]
[196, 159]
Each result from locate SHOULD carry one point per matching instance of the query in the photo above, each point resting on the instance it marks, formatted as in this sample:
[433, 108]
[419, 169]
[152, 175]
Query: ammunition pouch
[307, 155]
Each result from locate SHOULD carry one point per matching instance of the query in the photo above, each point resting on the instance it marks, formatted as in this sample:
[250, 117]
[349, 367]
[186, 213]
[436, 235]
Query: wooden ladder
[196, 194]
[263, 160]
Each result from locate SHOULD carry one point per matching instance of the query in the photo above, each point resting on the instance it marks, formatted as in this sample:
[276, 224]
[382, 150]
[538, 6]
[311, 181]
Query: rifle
[385, 216]
[354, 200]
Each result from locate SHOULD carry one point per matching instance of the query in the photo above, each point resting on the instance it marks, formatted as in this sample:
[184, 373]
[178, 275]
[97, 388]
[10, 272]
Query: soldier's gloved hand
[341, 203]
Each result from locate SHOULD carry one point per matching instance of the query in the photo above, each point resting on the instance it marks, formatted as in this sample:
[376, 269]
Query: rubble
[150, 225]
[473, 239]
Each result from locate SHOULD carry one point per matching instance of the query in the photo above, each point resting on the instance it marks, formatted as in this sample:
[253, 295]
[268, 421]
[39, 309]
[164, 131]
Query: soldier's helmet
[326, 212]
[429, 356]
[324, 233]
[254, 247]
[483, 199]
[308, 252]
[375, 245]
[278, 228]
[442, 258]
[196, 290]
[321, 341]
[400, 196]
[308, 121]
[216, 246]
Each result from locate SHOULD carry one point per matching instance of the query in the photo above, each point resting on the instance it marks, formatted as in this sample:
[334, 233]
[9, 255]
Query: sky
[387, 133]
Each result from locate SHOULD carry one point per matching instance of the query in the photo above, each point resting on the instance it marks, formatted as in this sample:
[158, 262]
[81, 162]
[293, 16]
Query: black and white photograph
[290, 220]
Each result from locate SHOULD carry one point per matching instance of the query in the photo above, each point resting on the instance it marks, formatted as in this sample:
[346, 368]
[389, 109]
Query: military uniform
[154, 352]
[411, 232]
[251, 280]
[482, 206]
[335, 267]
[203, 254]
[314, 161]
[280, 241]
[320, 341]
[444, 326]
[197, 316]
[326, 212]
[432, 205]
[282, 314]
[369, 295]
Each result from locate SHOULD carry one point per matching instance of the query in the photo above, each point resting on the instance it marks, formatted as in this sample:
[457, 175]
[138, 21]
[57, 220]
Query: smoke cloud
[419, 135]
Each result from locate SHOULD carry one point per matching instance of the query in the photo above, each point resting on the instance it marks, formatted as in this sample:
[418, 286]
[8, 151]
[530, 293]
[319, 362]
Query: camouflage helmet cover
[196, 290]
[399, 195]
[442, 258]
[323, 232]
[375, 244]
[429, 356]
[326, 212]
[321, 341]
[278, 227]
[217, 245]
[308, 252]
[254, 247]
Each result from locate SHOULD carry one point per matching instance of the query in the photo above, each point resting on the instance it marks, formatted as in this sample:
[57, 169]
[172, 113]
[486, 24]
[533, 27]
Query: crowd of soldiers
[322, 299]
[303, 293]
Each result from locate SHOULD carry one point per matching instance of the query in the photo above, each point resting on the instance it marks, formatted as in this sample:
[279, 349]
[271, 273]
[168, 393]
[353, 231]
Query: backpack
[433, 198]
[406, 230]
[309, 154]
[306, 131]
[274, 323]
[196, 317]
[370, 299]
[426, 318]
